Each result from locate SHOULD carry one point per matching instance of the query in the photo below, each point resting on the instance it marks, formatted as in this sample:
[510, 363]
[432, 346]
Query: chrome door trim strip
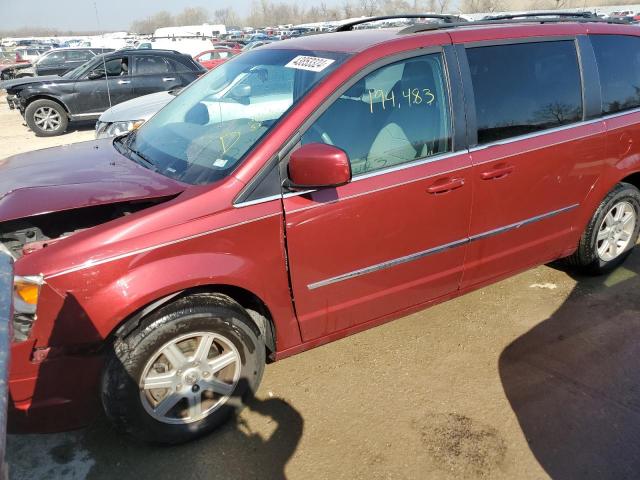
[87, 114]
[441, 248]
[515, 226]
[387, 264]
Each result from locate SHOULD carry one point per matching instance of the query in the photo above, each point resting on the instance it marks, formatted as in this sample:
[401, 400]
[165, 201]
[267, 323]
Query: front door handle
[445, 185]
[123, 82]
[499, 171]
[168, 79]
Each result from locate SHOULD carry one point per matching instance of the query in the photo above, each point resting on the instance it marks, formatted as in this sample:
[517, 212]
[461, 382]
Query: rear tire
[46, 118]
[156, 376]
[611, 234]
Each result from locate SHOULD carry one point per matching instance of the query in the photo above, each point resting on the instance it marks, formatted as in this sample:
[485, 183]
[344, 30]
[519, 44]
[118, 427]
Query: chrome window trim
[499, 143]
[553, 130]
[444, 156]
[414, 163]
[376, 190]
[434, 250]
[620, 114]
[271, 198]
[397, 168]
[499, 42]
[328, 101]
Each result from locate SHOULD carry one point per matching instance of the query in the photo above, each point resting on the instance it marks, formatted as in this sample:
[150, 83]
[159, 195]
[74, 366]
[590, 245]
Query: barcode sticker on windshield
[313, 64]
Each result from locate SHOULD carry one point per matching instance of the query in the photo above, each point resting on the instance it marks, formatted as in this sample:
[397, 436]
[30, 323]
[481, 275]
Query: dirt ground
[534, 377]
[15, 136]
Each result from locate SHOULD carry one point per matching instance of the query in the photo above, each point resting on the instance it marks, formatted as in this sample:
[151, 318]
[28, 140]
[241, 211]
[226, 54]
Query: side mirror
[241, 94]
[318, 165]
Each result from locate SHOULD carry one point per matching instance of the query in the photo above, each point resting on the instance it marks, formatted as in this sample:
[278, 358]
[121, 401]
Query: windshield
[79, 71]
[205, 132]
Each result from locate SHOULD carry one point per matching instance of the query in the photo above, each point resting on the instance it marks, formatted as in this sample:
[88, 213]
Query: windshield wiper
[144, 161]
[124, 143]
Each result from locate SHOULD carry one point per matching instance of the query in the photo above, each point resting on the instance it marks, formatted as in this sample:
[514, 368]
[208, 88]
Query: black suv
[49, 103]
[61, 60]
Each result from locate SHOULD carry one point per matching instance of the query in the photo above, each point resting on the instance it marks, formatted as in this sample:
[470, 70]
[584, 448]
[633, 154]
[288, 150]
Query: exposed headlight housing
[26, 293]
[106, 129]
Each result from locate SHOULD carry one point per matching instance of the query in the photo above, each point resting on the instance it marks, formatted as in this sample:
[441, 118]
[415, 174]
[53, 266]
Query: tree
[150, 24]
[481, 6]
[442, 5]
[348, 10]
[369, 8]
[226, 16]
[192, 16]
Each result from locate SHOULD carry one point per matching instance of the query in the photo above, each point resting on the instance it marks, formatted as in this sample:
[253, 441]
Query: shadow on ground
[232, 452]
[81, 126]
[573, 381]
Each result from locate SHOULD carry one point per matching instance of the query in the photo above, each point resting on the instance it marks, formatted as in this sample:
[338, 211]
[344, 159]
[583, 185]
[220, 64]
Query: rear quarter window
[79, 55]
[150, 65]
[185, 65]
[618, 59]
[525, 88]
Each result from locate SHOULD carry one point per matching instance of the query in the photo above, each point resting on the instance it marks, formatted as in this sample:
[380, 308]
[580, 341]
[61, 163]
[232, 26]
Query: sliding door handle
[499, 171]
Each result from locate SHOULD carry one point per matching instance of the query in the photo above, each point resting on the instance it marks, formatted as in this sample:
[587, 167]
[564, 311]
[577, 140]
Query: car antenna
[104, 62]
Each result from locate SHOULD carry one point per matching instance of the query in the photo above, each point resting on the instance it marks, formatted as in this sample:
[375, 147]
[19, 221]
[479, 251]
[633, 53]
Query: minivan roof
[358, 40]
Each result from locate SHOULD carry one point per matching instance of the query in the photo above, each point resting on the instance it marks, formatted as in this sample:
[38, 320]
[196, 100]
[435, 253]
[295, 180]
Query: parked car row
[49, 102]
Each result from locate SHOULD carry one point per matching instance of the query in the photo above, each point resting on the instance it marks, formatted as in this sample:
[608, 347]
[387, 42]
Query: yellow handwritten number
[431, 96]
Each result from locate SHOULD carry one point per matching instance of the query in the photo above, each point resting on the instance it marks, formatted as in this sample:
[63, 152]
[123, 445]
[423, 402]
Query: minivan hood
[74, 176]
[20, 82]
[141, 108]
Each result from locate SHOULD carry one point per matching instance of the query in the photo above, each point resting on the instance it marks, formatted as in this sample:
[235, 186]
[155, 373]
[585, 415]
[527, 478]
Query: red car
[212, 58]
[228, 44]
[306, 191]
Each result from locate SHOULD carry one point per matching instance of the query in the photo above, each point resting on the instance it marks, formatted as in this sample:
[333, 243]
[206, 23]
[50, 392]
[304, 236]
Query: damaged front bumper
[53, 377]
[52, 390]
[13, 101]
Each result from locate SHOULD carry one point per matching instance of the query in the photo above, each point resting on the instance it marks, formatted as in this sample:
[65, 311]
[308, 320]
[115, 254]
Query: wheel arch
[252, 303]
[633, 179]
[44, 96]
[599, 191]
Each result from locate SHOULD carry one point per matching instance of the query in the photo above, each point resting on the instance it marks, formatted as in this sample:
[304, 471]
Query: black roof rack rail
[507, 21]
[346, 27]
[512, 16]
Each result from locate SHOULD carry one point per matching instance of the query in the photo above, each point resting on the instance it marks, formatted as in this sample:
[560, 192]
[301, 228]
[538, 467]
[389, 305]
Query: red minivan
[305, 191]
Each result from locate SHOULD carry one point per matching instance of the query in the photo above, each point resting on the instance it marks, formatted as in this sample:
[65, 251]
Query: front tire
[46, 118]
[612, 232]
[184, 371]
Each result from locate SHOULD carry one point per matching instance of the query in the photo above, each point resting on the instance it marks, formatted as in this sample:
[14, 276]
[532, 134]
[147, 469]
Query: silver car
[129, 115]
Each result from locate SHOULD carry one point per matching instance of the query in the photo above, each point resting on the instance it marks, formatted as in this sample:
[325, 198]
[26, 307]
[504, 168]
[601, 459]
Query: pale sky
[113, 14]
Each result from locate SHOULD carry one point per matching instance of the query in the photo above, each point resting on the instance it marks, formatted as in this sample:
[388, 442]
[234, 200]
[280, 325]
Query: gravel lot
[15, 136]
[533, 377]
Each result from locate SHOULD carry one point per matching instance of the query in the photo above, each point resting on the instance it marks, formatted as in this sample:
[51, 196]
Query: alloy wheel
[190, 377]
[47, 119]
[616, 231]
